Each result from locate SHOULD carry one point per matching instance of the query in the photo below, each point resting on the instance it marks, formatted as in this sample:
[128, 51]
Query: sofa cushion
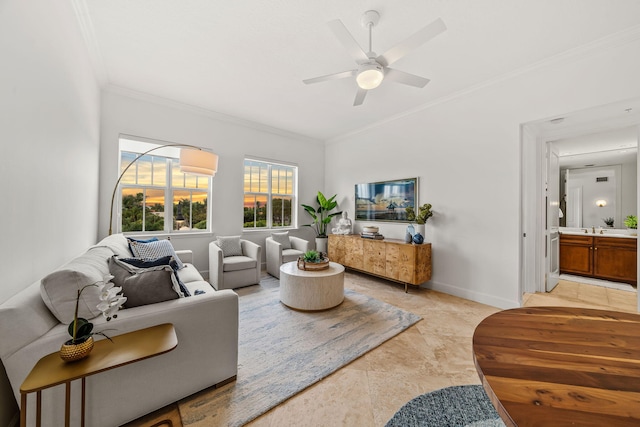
[289, 255]
[150, 285]
[154, 250]
[230, 245]
[283, 239]
[131, 239]
[118, 244]
[59, 289]
[235, 263]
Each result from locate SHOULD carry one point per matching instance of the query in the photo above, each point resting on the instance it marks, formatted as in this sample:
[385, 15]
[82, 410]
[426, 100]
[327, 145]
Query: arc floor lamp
[193, 159]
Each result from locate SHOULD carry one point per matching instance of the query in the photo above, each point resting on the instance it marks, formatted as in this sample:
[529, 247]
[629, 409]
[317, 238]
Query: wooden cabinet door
[423, 263]
[336, 248]
[615, 259]
[392, 254]
[576, 254]
[353, 252]
[374, 257]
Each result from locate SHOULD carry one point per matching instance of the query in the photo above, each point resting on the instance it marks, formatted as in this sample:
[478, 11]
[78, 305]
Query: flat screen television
[385, 200]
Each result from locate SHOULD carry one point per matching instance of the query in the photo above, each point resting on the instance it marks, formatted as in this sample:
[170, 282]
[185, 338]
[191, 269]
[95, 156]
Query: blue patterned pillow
[230, 246]
[154, 250]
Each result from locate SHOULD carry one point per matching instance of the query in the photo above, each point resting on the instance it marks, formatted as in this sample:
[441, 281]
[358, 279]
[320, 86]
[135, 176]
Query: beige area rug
[283, 351]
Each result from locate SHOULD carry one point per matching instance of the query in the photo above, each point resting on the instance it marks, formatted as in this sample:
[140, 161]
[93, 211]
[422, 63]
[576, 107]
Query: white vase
[420, 229]
[321, 244]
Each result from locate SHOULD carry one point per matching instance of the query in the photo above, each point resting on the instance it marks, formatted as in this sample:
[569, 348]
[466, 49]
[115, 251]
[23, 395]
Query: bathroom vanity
[610, 257]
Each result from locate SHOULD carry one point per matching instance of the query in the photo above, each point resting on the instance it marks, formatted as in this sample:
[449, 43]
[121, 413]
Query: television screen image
[385, 200]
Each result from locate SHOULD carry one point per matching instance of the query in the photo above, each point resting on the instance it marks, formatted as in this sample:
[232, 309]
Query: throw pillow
[153, 250]
[283, 239]
[150, 286]
[123, 268]
[166, 260]
[131, 239]
[230, 246]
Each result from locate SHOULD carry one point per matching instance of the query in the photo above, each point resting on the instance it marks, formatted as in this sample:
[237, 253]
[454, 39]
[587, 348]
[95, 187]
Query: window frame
[137, 146]
[270, 195]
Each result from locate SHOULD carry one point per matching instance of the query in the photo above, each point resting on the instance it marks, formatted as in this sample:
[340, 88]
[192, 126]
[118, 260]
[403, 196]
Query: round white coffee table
[311, 290]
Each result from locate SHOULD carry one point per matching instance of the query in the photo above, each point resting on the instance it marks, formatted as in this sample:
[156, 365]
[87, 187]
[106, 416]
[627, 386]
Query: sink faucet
[593, 229]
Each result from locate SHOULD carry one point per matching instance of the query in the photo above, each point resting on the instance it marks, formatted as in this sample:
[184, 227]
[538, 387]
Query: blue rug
[457, 406]
[283, 351]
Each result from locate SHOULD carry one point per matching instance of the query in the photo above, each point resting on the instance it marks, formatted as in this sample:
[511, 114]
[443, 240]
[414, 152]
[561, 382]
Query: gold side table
[127, 348]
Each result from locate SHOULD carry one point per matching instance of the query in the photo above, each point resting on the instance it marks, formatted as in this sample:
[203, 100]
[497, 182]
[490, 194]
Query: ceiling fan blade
[360, 97]
[336, 76]
[412, 42]
[348, 41]
[405, 78]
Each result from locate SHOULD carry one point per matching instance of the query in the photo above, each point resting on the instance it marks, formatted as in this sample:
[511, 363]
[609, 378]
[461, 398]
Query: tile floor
[434, 353]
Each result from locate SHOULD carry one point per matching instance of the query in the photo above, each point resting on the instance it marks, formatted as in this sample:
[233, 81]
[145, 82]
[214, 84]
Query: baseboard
[471, 295]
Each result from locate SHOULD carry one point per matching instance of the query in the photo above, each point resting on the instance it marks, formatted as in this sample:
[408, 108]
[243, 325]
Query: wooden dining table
[561, 366]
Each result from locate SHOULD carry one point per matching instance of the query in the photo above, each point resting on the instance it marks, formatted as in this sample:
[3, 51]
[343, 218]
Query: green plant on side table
[312, 256]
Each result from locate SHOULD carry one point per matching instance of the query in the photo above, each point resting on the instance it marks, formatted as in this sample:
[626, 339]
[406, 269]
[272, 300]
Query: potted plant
[608, 221]
[81, 330]
[631, 222]
[313, 260]
[424, 213]
[321, 218]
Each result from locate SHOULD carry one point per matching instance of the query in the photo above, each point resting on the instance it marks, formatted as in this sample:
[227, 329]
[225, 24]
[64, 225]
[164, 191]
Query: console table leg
[38, 408]
[23, 409]
[67, 404]
[406, 288]
[83, 400]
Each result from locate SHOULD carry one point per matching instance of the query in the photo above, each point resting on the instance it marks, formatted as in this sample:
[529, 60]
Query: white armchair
[234, 263]
[279, 252]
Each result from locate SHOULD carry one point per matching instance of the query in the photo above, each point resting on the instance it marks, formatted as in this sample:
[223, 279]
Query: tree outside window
[269, 194]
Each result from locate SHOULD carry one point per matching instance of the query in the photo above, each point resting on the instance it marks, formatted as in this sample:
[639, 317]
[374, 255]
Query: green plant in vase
[321, 215]
[631, 221]
[312, 256]
[608, 221]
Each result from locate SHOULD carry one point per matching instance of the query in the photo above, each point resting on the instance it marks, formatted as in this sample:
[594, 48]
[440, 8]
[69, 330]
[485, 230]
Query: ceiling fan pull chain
[370, 25]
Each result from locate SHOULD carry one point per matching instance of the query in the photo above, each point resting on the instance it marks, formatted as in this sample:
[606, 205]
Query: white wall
[49, 117]
[144, 116]
[466, 153]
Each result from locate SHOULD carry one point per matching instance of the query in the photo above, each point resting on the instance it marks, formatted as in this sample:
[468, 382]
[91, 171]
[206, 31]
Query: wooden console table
[561, 366]
[391, 259]
[128, 348]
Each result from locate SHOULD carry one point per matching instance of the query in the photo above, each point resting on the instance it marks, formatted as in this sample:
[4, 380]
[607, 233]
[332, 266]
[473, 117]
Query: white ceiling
[247, 58]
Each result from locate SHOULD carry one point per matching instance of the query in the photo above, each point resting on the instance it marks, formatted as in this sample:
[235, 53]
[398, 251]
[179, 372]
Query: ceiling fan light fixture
[370, 76]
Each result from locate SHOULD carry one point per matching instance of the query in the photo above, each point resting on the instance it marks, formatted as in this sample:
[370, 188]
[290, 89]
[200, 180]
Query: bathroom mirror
[598, 178]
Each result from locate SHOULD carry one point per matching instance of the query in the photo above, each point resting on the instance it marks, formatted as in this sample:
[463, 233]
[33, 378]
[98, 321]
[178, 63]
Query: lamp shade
[198, 162]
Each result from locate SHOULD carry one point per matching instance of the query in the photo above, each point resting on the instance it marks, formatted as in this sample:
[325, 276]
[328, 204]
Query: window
[270, 192]
[156, 196]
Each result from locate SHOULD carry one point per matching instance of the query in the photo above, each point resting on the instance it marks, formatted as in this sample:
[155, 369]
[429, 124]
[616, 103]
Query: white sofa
[207, 353]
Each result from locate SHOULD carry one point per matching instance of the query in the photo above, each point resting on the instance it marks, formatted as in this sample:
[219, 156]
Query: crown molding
[593, 48]
[166, 102]
[86, 29]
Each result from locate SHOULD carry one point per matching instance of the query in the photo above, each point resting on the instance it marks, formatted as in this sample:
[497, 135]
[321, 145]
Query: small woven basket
[311, 266]
[73, 352]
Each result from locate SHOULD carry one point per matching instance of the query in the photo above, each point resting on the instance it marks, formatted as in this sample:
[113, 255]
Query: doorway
[536, 240]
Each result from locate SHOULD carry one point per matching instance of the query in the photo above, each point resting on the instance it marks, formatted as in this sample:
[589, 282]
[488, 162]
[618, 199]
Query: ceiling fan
[372, 69]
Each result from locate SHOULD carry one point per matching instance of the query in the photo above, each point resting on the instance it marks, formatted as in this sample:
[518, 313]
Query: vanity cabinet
[391, 259]
[609, 258]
